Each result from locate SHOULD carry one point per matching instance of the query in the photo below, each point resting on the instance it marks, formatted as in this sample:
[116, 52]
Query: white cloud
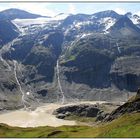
[120, 11]
[72, 9]
[36, 8]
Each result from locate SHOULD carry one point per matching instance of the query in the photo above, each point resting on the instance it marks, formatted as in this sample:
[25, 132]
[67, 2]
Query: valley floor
[42, 116]
[127, 126]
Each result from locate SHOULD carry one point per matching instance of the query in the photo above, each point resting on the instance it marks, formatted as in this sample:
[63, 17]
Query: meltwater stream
[59, 83]
[118, 48]
[20, 88]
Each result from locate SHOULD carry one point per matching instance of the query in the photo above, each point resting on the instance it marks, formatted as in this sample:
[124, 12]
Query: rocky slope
[80, 57]
[103, 112]
[132, 106]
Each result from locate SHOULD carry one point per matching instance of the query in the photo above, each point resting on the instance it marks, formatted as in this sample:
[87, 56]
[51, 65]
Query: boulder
[92, 111]
[61, 116]
[67, 113]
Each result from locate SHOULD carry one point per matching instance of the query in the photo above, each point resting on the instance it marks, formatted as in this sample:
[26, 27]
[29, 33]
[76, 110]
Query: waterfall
[118, 48]
[59, 83]
[20, 88]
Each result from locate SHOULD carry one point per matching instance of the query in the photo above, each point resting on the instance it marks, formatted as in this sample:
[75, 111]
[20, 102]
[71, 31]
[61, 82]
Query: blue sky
[52, 9]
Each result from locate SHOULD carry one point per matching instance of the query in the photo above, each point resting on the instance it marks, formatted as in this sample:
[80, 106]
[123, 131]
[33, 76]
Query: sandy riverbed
[42, 116]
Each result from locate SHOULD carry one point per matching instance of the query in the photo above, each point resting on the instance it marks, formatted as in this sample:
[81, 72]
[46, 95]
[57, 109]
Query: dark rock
[123, 23]
[101, 115]
[123, 76]
[78, 110]
[65, 109]
[4, 100]
[138, 91]
[91, 111]
[43, 92]
[9, 86]
[133, 105]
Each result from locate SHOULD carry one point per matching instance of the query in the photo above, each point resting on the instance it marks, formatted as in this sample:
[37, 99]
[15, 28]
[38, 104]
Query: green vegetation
[68, 58]
[81, 119]
[126, 126]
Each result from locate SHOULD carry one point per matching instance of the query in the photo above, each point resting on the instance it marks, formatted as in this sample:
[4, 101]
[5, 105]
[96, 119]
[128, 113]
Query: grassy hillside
[127, 125]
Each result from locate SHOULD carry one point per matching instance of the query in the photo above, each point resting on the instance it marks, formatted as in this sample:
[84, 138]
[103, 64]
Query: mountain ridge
[14, 13]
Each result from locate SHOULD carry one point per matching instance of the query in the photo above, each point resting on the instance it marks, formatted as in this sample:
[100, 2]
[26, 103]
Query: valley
[53, 59]
[41, 116]
[69, 74]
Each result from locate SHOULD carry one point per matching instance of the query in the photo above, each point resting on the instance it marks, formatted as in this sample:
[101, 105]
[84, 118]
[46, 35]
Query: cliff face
[125, 76]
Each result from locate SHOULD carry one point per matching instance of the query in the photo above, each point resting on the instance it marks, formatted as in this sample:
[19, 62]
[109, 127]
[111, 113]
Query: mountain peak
[107, 13]
[124, 26]
[14, 13]
[123, 22]
[128, 14]
[12, 10]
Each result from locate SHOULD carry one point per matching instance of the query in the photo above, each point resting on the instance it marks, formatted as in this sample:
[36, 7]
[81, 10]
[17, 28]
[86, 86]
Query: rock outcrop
[82, 110]
[133, 105]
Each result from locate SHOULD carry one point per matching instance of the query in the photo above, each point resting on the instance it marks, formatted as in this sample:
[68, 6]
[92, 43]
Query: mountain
[17, 13]
[107, 13]
[98, 22]
[124, 26]
[134, 18]
[73, 18]
[70, 57]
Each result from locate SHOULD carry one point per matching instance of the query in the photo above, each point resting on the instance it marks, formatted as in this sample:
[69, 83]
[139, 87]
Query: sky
[52, 9]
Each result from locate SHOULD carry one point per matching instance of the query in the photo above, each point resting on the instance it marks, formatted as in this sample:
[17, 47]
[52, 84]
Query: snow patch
[80, 24]
[135, 20]
[85, 34]
[108, 22]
